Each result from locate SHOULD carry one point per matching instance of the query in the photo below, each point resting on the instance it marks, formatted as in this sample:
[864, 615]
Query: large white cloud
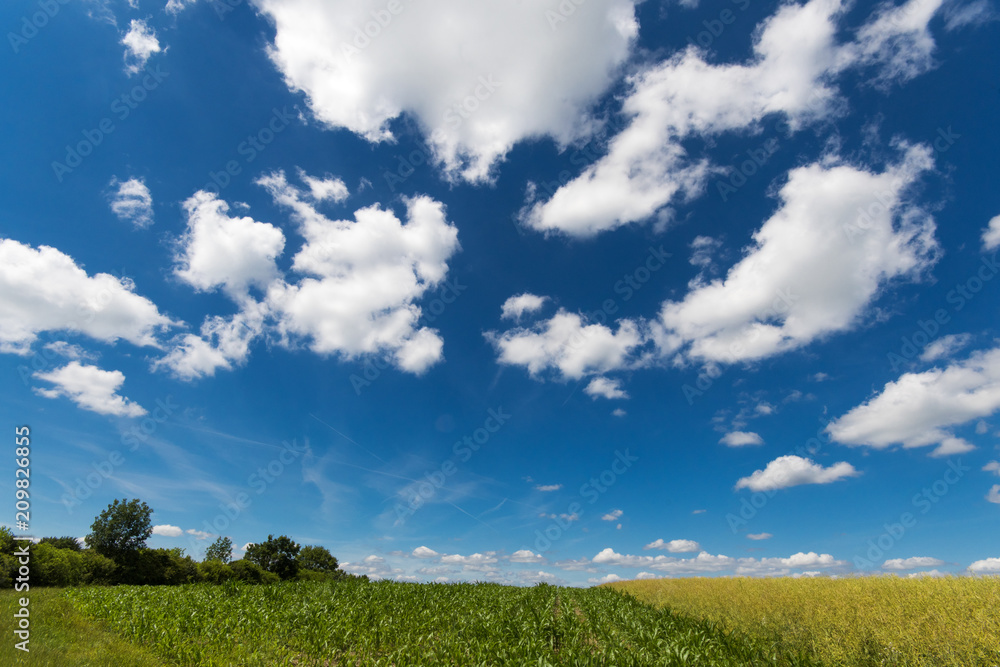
[221, 251]
[44, 289]
[986, 566]
[477, 77]
[363, 278]
[790, 470]
[919, 409]
[840, 235]
[796, 58]
[646, 166]
[90, 388]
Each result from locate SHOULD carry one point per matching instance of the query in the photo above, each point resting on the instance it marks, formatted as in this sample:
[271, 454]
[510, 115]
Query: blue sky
[561, 292]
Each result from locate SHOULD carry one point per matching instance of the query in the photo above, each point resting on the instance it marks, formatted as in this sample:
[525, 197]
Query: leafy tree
[121, 530]
[65, 542]
[276, 555]
[220, 550]
[249, 571]
[6, 540]
[317, 559]
[214, 571]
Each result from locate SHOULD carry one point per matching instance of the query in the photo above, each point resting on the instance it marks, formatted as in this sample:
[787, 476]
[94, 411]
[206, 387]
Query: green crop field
[380, 623]
[863, 621]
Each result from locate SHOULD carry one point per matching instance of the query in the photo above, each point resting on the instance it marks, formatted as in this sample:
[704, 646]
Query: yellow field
[883, 620]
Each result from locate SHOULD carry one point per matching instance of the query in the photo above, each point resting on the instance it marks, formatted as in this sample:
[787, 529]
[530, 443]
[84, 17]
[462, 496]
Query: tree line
[115, 552]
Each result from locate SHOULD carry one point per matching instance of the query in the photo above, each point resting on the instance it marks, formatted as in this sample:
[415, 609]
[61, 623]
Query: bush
[51, 566]
[245, 570]
[96, 569]
[214, 571]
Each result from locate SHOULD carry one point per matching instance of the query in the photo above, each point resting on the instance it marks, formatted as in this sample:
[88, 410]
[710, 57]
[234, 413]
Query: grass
[886, 621]
[61, 636]
[385, 623]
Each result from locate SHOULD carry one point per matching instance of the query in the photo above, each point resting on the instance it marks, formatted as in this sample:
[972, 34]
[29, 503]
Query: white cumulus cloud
[741, 439]
[132, 202]
[787, 471]
[140, 43]
[90, 388]
[674, 546]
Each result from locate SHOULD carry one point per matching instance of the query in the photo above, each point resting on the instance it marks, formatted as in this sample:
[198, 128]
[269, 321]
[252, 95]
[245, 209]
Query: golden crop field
[884, 620]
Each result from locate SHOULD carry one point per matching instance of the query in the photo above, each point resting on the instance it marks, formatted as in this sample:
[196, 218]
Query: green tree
[220, 550]
[120, 533]
[65, 542]
[276, 555]
[317, 559]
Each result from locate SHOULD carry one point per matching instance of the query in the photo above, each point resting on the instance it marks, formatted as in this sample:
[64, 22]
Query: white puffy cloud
[132, 202]
[646, 166]
[526, 556]
[741, 439]
[424, 552]
[224, 342]
[674, 546]
[140, 43]
[328, 188]
[516, 306]
[993, 495]
[90, 388]
[911, 563]
[199, 534]
[217, 250]
[363, 278]
[917, 409]
[795, 58]
[472, 562]
[992, 466]
[167, 530]
[43, 289]
[991, 235]
[613, 515]
[759, 536]
[787, 471]
[606, 387]
[548, 487]
[986, 566]
[565, 343]
[839, 236]
[945, 346]
[897, 40]
[606, 579]
[476, 78]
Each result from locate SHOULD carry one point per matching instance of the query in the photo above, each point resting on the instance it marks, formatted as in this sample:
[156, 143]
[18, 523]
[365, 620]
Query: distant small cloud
[423, 552]
[166, 530]
[618, 412]
[608, 388]
[613, 515]
[759, 536]
[548, 487]
[674, 546]
[787, 471]
[132, 202]
[140, 43]
[516, 306]
[741, 439]
[911, 563]
[699, 511]
[945, 346]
